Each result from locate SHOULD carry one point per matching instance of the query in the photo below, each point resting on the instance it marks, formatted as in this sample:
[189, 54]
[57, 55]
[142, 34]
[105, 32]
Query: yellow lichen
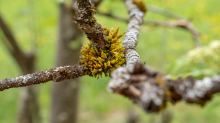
[96, 61]
[140, 5]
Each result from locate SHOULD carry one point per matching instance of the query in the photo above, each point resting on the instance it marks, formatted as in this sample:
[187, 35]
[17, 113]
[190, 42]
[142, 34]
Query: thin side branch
[180, 23]
[23, 59]
[11, 39]
[112, 16]
[54, 74]
[88, 24]
[184, 24]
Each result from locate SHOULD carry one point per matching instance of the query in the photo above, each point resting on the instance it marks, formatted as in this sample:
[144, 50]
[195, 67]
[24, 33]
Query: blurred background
[45, 37]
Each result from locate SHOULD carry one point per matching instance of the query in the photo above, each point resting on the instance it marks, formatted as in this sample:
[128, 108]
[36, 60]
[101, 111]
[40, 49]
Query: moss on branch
[97, 61]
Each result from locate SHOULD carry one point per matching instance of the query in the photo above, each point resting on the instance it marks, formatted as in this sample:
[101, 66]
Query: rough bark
[28, 108]
[88, 24]
[56, 74]
[28, 111]
[152, 90]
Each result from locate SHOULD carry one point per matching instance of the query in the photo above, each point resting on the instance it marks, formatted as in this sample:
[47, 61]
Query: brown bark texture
[88, 24]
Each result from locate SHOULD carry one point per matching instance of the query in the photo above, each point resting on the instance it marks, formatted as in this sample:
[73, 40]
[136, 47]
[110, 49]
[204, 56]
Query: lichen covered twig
[151, 90]
[131, 36]
[88, 24]
[94, 32]
[53, 74]
[97, 61]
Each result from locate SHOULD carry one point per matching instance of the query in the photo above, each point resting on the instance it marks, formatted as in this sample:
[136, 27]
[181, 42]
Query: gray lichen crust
[55, 74]
[151, 90]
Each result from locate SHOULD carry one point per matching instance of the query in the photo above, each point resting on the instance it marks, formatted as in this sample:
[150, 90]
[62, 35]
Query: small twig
[183, 24]
[88, 24]
[112, 16]
[7, 32]
[23, 59]
[55, 74]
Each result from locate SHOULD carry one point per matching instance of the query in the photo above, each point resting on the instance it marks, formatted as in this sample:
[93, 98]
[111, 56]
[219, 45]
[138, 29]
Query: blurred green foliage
[199, 62]
[161, 48]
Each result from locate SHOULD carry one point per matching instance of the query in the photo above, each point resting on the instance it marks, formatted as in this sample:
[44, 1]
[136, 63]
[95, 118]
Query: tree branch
[25, 60]
[140, 83]
[151, 90]
[180, 23]
[131, 36]
[95, 2]
[184, 24]
[88, 24]
[91, 28]
[55, 74]
[146, 87]
[10, 38]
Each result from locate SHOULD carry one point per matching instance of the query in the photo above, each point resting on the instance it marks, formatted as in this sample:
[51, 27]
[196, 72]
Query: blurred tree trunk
[65, 93]
[28, 111]
[28, 102]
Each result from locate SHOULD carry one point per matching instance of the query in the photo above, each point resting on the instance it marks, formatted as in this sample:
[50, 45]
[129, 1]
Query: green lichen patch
[97, 61]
